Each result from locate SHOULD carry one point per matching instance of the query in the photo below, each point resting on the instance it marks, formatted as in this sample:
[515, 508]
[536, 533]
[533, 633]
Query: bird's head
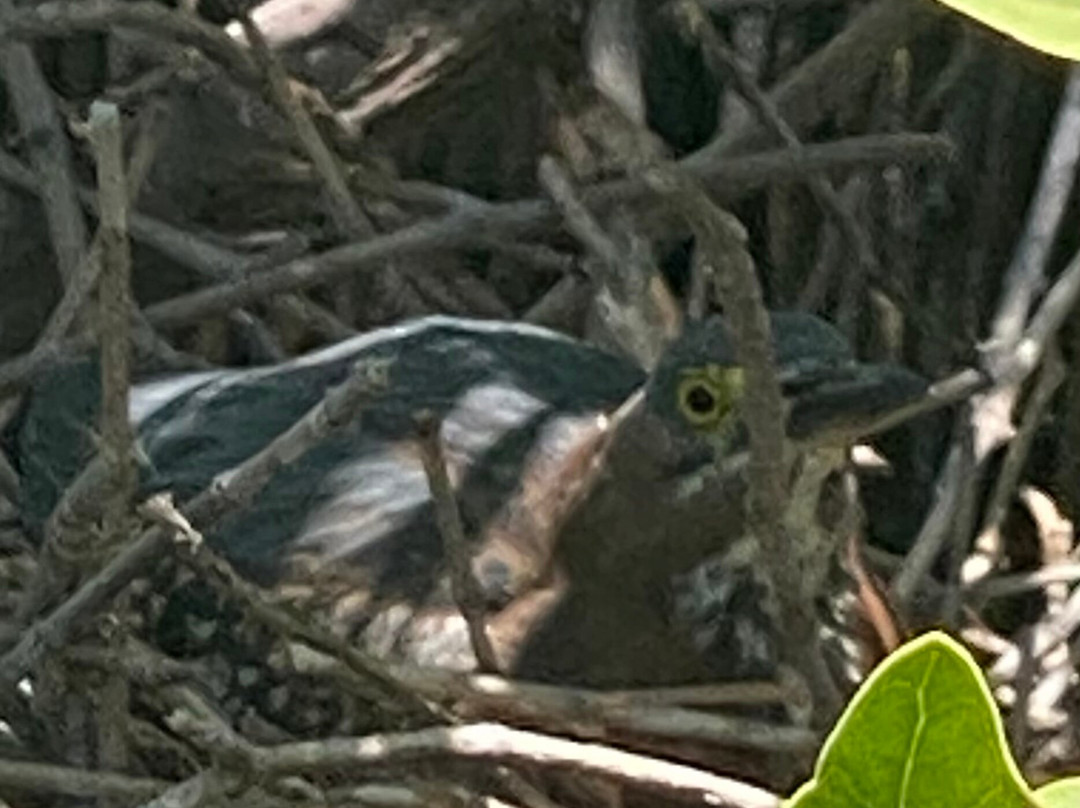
[693, 414]
[697, 392]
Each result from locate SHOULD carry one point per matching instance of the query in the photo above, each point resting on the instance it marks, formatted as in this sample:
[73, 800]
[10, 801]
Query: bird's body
[589, 596]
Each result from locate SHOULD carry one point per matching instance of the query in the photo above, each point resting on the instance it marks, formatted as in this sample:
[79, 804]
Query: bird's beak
[852, 402]
[835, 407]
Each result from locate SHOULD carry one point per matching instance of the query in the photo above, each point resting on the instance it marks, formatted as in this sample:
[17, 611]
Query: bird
[620, 589]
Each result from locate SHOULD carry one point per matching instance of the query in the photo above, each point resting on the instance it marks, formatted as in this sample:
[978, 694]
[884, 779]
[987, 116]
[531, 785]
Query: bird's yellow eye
[707, 395]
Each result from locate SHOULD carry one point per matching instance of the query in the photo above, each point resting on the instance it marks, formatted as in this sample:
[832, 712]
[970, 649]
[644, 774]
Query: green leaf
[1060, 794]
[922, 732]
[1052, 26]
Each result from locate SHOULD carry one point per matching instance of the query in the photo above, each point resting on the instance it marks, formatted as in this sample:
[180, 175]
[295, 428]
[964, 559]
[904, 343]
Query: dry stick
[464, 227]
[1004, 586]
[464, 589]
[595, 715]
[421, 193]
[964, 57]
[515, 219]
[539, 257]
[351, 221]
[613, 56]
[828, 79]
[1047, 634]
[201, 724]
[466, 592]
[10, 484]
[191, 716]
[418, 795]
[114, 306]
[93, 483]
[50, 153]
[1025, 276]
[563, 305]
[136, 661]
[495, 742]
[959, 387]
[962, 523]
[723, 61]
[144, 339]
[1014, 352]
[1016, 456]
[338, 407]
[723, 241]
[199, 789]
[219, 572]
[474, 31]
[636, 319]
[735, 6]
[41, 778]
[588, 714]
[1017, 726]
[80, 286]
[58, 19]
[187, 249]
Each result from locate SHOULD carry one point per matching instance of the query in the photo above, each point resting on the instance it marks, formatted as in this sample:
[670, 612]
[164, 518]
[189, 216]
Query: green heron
[617, 591]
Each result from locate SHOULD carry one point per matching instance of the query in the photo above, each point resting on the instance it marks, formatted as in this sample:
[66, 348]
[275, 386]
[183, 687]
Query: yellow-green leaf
[1062, 794]
[922, 731]
[1052, 26]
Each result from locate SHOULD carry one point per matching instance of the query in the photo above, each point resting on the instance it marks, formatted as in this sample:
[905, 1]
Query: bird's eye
[699, 400]
[707, 395]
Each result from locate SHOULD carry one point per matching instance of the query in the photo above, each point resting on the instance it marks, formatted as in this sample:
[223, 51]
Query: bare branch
[467, 594]
[495, 742]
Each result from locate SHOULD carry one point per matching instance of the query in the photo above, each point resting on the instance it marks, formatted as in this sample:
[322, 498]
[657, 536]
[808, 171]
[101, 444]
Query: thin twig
[199, 789]
[57, 19]
[205, 259]
[1018, 727]
[730, 178]
[1016, 456]
[42, 778]
[636, 319]
[467, 594]
[108, 255]
[1047, 634]
[85, 279]
[1013, 368]
[50, 152]
[831, 77]
[793, 572]
[1016, 344]
[1024, 278]
[338, 407]
[350, 219]
[495, 742]
[723, 61]
[592, 715]
[115, 305]
[1004, 586]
